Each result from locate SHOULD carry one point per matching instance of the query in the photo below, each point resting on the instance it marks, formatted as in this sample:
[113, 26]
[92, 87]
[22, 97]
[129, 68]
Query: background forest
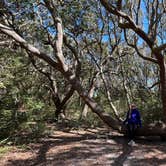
[61, 59]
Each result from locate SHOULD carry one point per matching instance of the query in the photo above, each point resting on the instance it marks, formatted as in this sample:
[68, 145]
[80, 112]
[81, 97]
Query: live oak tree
[24, 24]
[140, 15]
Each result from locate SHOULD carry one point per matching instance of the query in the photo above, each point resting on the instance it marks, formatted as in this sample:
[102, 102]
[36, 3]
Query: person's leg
[132, 131]
[130, 134]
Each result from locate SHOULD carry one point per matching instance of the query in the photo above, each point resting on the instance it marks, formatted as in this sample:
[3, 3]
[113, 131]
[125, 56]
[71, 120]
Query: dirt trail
[87, 148]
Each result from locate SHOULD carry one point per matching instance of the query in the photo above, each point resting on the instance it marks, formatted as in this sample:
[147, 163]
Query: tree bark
[90, 94]
[115, 111]
[162, 66]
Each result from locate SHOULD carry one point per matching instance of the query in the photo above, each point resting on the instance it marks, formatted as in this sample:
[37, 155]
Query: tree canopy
[63, 57]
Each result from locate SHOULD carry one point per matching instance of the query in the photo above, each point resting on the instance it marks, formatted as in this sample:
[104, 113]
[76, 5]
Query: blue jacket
[133, 117]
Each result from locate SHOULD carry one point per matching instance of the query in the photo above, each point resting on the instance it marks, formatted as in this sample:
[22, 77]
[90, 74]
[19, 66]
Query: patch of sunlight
[111, 141]
[156, 153]
[113, 155]
[4, 150]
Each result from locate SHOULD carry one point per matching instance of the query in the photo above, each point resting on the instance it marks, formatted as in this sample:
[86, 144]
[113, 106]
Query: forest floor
[87, 148]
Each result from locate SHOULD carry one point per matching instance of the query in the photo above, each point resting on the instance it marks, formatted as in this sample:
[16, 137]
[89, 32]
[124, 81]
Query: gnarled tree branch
[28, 47]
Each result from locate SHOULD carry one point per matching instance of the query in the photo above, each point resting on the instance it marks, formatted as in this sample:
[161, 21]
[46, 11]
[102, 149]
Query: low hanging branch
[73, 80]
[28, 47]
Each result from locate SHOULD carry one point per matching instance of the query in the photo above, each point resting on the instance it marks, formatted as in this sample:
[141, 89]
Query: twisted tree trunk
[162, 66]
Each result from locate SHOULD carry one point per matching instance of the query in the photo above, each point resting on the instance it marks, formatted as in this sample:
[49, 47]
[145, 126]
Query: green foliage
[151, 110]
[20, 102]
[92, 121]
[3, 150]
[35, 106]
[6, 125]
[35, 129]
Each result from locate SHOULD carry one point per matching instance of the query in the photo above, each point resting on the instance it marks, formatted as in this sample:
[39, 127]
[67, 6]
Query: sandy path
[84, 148]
